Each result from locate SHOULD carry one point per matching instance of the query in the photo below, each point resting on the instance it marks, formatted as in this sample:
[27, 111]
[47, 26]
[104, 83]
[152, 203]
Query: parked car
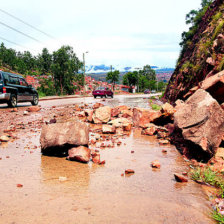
[14, 89]
[103, 92]
[147, 91]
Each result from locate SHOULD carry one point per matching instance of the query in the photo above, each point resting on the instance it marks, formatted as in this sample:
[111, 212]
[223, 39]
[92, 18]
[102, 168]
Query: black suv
[14, 88]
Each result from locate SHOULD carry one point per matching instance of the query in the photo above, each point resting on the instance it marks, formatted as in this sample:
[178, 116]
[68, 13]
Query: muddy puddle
[57, 191]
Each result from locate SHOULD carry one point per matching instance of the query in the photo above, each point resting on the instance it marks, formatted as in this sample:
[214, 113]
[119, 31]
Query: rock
[79, 154]
[102, 162]
[155, 164]
[180, 178]
[97, 105]
[163, 142]
[141, 116]
[33, 109]
[62, 179]
[127, 128]
[201, 120]
[150, 130]
[89, 115]
[164, 151]
[25, 113]
[210, 61]
[96, 158]
[19, 185]
[168, 109]
[14, 110]
[57, 137]
[4, 138]
[121, 123]
[215, 86]
[219, 153]
[128, 171]
[108, 129]
[222, 105]
[102, 115]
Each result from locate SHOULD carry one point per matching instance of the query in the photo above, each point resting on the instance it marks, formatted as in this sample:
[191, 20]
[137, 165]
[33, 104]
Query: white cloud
[120, 31]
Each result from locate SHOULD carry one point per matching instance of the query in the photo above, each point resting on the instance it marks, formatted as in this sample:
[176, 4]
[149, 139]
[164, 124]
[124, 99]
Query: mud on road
[43, 189]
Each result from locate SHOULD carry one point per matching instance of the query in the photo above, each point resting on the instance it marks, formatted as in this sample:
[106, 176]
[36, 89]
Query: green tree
[45, 61]
[148, 72]
[130, 78]
[64, 67]
[113, 77]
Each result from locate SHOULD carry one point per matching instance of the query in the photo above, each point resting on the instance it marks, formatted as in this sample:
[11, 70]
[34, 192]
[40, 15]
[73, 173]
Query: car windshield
[100, 88]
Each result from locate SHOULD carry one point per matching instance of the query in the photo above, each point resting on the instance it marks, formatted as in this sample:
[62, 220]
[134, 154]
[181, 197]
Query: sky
[115, 32]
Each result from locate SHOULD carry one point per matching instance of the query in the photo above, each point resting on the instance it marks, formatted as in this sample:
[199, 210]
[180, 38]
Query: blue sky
[118, 32]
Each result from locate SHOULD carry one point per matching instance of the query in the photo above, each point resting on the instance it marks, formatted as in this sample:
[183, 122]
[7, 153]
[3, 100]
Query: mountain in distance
[102, 69]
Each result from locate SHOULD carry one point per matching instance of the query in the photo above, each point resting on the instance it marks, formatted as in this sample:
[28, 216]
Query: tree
[148, 72]
[130, 78]
[45, 61]
[113, 77]
[64, 67]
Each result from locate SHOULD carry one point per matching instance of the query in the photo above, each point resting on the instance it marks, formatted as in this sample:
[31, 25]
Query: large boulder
[141, 116]
[201, 121]
[79, 154]
[215, 86]
[102, 115]
[59, 137]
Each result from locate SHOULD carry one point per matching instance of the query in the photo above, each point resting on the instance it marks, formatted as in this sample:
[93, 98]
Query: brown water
[57, 191]
[98, 194]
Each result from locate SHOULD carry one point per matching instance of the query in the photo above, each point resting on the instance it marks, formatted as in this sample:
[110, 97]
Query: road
[55, 190]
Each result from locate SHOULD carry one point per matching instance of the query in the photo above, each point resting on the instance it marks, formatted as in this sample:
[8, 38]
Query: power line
[20, 32]
[16, 18]
[13, 43]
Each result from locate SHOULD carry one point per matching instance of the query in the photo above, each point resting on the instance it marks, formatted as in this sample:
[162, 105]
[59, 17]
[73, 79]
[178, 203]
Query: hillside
[202, 56]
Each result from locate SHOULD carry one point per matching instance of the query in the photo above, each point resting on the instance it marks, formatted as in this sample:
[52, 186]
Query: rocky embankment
[202, 57]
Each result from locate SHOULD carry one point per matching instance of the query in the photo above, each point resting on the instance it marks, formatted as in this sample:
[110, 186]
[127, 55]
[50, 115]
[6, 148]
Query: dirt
[42, 189]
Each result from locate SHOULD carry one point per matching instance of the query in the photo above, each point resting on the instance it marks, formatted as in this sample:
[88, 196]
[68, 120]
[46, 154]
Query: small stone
[132, 151]
[62, 178]
[155, 164]
[25, 113]
[102, 162]
[129, 171]
[164, 151]
[4, 138]
[19, 185]
[180, 178]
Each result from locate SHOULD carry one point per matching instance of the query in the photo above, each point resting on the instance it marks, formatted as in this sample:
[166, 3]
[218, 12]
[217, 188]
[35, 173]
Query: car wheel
[112, 96]
[35, 100]
[13, 101]
[94, 97]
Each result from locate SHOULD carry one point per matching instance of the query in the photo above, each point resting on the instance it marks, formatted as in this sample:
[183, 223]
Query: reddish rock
[55, 136]
[163, 142]
[164, 151]
[97, 105]
[201, 120]
[115, 112]
[102, 162]
[102, 115]
[155, 164]
[151, 130]
[14, 110]
[79, 154]
[168, 109]
[215, 86]
[19, 185]
[132, 151]
[128, 171]
[96, 158]
[180, 178]
[141, 116]
[222, 105]
[108, 129]
[89, 115]
[33, 109]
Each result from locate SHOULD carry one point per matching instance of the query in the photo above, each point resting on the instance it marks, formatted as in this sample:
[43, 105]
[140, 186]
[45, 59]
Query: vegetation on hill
[202, 53]
[143, 79]
[60, 69]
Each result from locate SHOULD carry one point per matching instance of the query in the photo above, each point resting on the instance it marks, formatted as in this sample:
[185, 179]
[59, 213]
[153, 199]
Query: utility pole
[84, 71]
[111, 68]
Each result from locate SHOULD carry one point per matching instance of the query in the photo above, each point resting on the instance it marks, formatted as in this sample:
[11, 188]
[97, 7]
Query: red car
[103, 92]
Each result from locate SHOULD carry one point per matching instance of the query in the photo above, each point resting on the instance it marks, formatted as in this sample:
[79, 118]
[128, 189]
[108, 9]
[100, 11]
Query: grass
[155, 107]
[218, 217]
[206, 175]
[218, 29]
[221, 65]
